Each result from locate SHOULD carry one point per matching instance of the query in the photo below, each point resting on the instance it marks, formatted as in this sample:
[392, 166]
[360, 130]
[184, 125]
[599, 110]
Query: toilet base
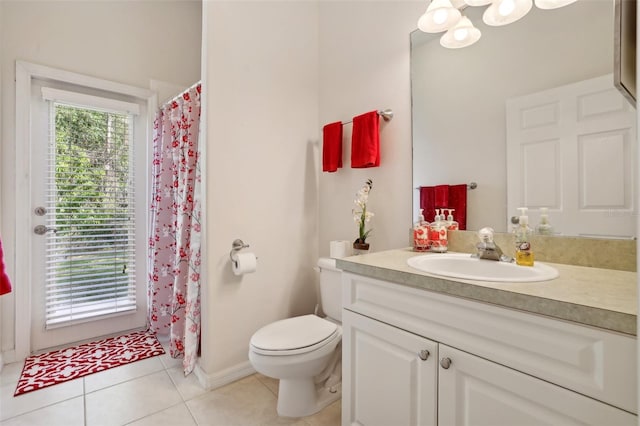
[302, 397]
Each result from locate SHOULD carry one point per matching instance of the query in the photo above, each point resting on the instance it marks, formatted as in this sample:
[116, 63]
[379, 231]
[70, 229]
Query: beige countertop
[602, 298]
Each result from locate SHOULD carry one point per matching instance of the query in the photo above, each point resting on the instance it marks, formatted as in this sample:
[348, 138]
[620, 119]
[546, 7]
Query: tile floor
[149, 392]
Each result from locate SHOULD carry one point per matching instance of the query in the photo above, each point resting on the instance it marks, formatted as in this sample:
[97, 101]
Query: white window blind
[82, 100]
[90, 251]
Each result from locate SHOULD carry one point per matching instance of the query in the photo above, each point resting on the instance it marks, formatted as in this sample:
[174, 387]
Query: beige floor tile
[66, 413]
[132, 400]
[243, 403]
[329, 416]
[270, 382]
[189, 387]
[169, 362]
[11, 406]
[11, 373]
[113, 376]
[177, 415]
[166, 358]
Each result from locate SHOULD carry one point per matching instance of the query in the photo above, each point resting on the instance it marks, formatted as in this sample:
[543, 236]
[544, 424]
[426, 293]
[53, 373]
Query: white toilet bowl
[297, 351]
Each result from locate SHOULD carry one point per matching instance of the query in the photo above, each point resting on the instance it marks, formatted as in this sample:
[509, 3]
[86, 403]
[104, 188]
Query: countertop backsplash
[615, 254]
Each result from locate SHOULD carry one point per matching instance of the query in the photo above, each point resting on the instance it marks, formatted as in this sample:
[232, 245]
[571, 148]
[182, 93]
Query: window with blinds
[90, 246]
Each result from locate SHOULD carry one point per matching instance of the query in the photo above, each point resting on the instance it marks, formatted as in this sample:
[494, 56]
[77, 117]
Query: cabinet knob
[424, 354]
[445, 363]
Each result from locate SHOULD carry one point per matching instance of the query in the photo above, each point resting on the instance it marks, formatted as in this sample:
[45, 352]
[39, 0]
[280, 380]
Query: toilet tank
[330, 288]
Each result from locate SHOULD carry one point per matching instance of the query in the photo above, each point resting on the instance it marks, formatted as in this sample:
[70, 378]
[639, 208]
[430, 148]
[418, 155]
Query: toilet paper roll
[245, 263]
[339, 249]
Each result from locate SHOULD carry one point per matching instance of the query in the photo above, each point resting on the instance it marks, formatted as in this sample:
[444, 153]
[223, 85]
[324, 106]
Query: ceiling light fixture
[503, 12]
[441, 16]
[463, 34]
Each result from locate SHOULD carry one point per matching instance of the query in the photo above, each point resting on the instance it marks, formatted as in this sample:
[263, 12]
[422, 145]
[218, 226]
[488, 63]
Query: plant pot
[360, 248]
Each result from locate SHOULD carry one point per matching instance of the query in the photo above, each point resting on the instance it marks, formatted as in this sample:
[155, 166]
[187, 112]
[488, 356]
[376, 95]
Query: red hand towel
[458, 201]
[442, 196]
[332, 147]
[456, 198]
[365, 141]
[427, 203]
[5, 284]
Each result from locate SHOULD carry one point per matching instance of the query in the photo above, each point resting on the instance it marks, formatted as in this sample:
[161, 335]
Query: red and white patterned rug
[52, 368]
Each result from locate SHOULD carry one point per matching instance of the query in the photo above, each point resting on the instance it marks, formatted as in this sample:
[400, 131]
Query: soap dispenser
[438, 234]
[524, 253]
[421, 234]
[544, 227]
[452, 225]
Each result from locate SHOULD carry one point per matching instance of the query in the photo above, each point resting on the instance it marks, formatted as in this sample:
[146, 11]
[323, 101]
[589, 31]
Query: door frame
[25, 73]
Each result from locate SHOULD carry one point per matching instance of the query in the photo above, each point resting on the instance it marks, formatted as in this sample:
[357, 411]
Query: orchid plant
[360, 214]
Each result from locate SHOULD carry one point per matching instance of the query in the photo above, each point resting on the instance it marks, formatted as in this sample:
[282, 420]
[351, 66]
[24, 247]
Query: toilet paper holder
[236, 246]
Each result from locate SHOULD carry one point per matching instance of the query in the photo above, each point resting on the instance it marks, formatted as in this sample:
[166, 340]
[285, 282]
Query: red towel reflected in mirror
[447, 197]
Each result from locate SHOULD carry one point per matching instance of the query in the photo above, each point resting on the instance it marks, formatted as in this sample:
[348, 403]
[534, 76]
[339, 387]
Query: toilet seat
[292, 336]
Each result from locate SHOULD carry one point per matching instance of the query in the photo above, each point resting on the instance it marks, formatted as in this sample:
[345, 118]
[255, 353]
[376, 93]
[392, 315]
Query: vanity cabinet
[416, 357]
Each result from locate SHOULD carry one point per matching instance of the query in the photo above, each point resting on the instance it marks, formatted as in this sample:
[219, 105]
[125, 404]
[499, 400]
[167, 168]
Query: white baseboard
[7, 357]
[224, 377]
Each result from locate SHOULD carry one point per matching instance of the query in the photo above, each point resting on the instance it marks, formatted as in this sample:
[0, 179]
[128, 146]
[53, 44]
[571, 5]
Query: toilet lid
[293, 333]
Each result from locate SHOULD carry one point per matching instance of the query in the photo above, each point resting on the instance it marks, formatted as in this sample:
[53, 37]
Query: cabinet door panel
[385, 381]
[474, 391]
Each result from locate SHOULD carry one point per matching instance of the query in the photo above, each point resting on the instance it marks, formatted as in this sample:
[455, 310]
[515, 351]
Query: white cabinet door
[386, 381]
[474, 391]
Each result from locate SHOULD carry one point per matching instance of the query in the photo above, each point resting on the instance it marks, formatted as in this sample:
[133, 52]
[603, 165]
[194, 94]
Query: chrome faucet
[488, 249]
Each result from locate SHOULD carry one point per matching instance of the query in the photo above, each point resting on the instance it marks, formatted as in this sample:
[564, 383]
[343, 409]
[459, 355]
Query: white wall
[261, 109]
[128, 42]
[364, 65]
[275, 73]
[271, 83]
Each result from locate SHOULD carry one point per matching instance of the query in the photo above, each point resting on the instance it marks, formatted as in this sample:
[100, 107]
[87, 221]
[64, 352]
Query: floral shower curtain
[174, 243]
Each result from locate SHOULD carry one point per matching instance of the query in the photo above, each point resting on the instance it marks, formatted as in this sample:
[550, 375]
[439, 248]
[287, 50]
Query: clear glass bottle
[524, 252]
[544, 227]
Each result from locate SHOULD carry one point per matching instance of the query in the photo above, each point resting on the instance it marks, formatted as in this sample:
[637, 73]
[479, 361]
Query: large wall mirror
[459, 107]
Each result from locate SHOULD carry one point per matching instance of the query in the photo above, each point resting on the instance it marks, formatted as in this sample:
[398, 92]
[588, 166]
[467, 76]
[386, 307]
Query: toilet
[304, 352]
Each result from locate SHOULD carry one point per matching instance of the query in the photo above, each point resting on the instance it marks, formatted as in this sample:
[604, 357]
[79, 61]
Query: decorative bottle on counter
[524, 253]
[421, 234]
[544, 227]
[452, 225]
[438, 234]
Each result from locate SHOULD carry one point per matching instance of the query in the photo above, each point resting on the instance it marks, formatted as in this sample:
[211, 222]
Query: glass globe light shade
[463, 34]
[503, 12]
[440, 16]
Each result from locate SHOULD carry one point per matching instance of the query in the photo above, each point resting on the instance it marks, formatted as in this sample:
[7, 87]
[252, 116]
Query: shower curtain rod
[176, 97]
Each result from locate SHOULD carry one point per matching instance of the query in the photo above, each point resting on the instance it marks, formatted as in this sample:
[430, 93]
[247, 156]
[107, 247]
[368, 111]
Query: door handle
[41, 230]
[424, 354]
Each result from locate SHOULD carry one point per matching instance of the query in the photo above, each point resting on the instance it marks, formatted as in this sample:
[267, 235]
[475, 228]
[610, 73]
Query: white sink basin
[462, 265]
